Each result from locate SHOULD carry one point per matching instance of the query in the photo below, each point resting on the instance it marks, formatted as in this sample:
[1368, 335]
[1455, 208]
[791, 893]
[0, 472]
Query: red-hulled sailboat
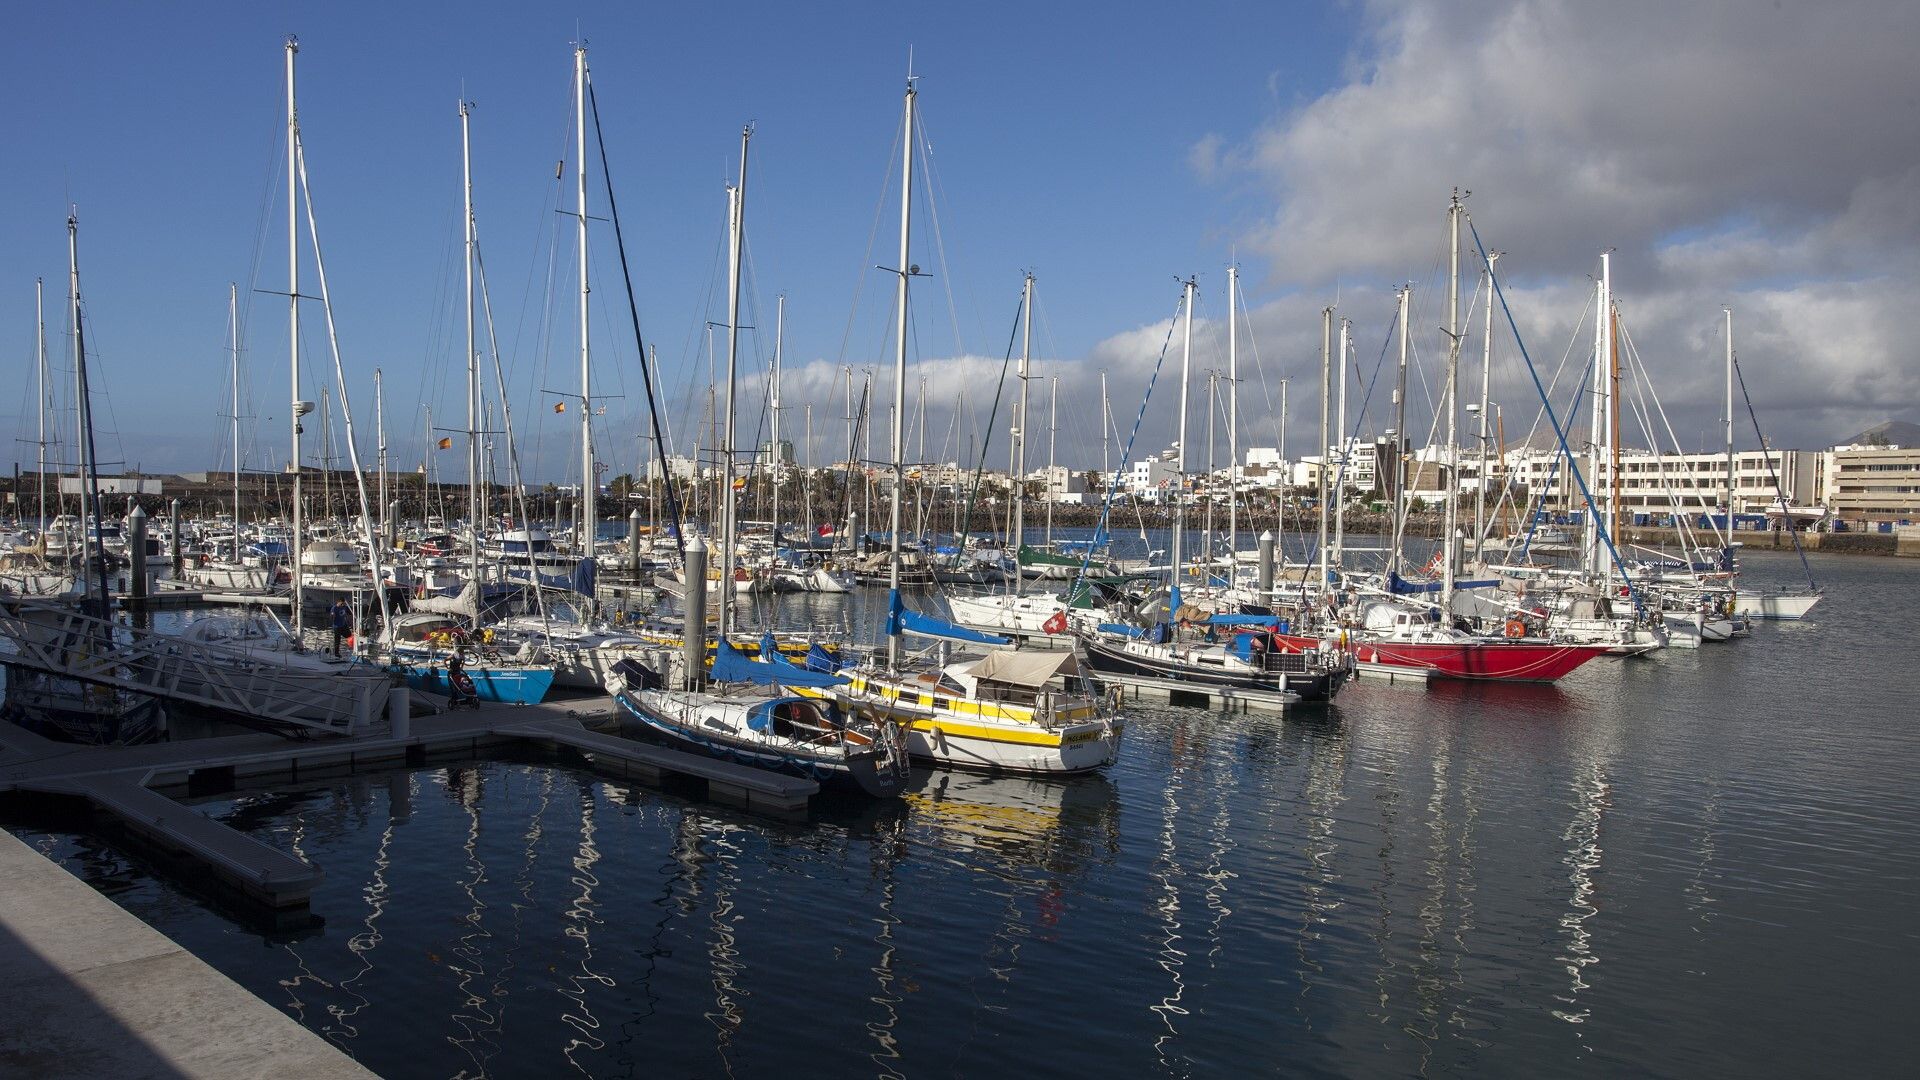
[1401, 641]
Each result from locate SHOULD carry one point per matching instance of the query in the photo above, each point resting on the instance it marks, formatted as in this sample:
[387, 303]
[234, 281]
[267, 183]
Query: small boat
[421, 641]
[769, 729]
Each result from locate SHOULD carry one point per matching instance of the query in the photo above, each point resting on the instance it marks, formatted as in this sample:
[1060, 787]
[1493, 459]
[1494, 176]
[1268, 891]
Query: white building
[1149, 479]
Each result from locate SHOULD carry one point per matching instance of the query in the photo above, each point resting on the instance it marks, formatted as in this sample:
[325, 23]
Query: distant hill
[1893, 432]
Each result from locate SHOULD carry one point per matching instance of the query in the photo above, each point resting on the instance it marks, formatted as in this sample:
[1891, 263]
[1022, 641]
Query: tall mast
[473, 365]
[1053, 434]
[380, 439]
[589, 484]
[1598, 428]
[737, 201]
[90, 523]
[1020, 433]
[1233, 419]
[779, 332]
[1180, 487]
[1346, 445]
[1326, 445]
[1729, 318]
[1206, 527]
[1449, 542]
[920, 486]
[1613, 427]
[905, 272]
[1486, 384]
[233, 346]
[40, 359]
[1394, 476]
[293, 330]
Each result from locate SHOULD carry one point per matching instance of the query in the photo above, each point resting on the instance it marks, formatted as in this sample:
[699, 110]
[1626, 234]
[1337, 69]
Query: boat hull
[1112, 660]
[1486, 661]
[868, 772]
[500, 685]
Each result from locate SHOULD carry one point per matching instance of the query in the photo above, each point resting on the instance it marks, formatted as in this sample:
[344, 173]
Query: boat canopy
[1230, 619]
[466, 603]
[1027, 670]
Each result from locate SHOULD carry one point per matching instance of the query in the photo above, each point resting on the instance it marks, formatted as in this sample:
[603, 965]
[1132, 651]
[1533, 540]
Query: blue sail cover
[901, 620]
[819, 659]
[1403, 587]
[1226, 619]
[583, 576]
[730, 665]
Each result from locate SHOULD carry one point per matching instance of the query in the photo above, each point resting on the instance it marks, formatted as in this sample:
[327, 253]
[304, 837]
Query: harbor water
[1696, 864]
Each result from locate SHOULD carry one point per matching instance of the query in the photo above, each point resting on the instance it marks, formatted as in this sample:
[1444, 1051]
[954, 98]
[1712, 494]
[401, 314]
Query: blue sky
[1108, 148]
[1060, 139]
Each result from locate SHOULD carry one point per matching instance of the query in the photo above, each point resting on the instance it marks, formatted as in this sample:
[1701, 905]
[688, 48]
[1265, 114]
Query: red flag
[825, 530]
[1057, 624]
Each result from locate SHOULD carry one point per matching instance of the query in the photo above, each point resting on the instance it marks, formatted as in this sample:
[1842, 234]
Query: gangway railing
[57, 638]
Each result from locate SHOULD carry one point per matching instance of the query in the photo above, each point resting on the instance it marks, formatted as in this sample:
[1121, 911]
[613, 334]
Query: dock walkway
[93, 991]
[131, 784]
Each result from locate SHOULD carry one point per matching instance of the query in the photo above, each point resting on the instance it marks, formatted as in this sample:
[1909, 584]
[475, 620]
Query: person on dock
[342, 623]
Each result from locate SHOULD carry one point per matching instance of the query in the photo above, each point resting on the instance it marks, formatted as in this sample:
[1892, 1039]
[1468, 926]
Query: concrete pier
[93, 991]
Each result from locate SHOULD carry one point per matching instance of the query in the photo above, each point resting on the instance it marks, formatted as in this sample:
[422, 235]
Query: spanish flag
[446, 444]
[739, 483]
[559, 406]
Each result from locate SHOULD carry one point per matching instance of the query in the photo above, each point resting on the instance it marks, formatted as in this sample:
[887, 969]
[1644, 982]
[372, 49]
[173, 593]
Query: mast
[589, 483]
[1206, 527]
[1449, 541]
[380, 449]
[1020, 435]
[1180, 488]
[40, 361]
[1728, 312]
[1346, 445]
[90, 524]
[1613, 431]
[1233, 421]
[1053, 433]
[233, 345]
[779, 332]
[1598, 427]
[473, 369]
[293, 332]
[737, 203]
[1326, 446]
[920, 485]
[905, 272]
[1395, 478]
[1486, 384]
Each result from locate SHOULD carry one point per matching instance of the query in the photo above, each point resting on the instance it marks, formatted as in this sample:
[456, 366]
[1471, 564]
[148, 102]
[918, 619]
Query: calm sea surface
[1699, 864]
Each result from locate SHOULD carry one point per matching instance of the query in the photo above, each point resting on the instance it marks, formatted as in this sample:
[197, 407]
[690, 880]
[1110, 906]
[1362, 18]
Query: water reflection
[581, 919]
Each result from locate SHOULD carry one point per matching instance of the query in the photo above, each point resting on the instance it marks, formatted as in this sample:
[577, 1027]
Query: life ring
[1516, 627]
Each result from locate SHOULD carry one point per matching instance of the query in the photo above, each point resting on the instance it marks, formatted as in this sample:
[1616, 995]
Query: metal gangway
[60, 640]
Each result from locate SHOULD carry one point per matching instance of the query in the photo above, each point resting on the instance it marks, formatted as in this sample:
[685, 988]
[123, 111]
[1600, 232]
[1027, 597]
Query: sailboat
[1009, 711]
[1221, 649]
[421, 641]
[1399, 639]
[1767, 603]
[56, 704]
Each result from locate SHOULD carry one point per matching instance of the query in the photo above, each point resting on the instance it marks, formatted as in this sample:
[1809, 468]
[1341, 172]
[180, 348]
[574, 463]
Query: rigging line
[653, 409]
[999, 390]
[1126, 455]
[1785, 517]
[939, 235]
[1560, 434]
[860, 281]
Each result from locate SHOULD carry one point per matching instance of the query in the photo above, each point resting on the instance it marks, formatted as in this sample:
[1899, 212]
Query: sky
[1729, 154]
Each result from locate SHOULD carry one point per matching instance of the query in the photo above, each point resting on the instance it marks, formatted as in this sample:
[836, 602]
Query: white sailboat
[1015, 712]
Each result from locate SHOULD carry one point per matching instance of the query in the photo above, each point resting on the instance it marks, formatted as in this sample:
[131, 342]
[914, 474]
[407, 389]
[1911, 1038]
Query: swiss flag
[1057, 624]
